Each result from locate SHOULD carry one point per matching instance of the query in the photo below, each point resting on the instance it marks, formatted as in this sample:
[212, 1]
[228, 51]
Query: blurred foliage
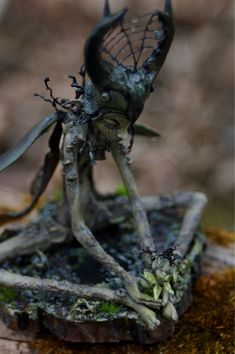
[121, 190]
[221, 237]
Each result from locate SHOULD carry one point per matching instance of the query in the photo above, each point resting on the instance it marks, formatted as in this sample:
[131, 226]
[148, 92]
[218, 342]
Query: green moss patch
[7, 294]
[109, 308]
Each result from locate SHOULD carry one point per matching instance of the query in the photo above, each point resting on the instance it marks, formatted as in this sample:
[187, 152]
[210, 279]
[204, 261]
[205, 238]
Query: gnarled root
[18, 281]
[37, 236]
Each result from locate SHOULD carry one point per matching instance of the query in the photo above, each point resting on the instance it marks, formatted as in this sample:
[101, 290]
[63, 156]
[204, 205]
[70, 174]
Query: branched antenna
[48, 100]
[79, 90]
[74, 83]
[170, 255]
[54, 99]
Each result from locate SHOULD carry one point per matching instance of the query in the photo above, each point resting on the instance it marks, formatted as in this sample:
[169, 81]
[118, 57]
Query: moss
[221, 237]
[121, 190]
[109, 308]
[206, 328]
[7, 294]
[57, 196]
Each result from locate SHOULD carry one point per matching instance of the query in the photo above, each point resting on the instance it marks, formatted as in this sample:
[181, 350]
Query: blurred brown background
[192, 105]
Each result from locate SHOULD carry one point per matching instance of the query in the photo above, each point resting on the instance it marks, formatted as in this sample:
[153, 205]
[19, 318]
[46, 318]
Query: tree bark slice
[214, 259]
[126, 325]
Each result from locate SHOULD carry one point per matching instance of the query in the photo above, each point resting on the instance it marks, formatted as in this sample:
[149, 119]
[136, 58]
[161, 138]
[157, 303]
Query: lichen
[83, 310]
[169, 278]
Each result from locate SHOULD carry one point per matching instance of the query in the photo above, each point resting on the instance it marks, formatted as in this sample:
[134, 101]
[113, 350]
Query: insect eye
[106, 97]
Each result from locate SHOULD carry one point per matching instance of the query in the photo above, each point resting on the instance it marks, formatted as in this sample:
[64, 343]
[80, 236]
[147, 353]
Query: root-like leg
[33, 238]
[145, 313]
[81, 232]
[96, 214]
[82, 291]
[140, 218]
[192, 202]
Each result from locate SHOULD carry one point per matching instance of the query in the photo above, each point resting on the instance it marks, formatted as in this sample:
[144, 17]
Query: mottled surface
[89, 321]
[211, 309]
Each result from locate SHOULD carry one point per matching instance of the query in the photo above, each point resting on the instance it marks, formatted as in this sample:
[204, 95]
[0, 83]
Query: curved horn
[107, 11]
[168, 7]
[157, 58]
[97, 69]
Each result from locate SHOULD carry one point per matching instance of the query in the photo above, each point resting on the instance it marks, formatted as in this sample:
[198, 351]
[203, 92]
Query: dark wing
[131, 43]
[19, 149]
[43, 176]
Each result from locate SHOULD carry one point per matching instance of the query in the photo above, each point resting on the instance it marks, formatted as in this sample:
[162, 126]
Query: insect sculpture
[122, 62]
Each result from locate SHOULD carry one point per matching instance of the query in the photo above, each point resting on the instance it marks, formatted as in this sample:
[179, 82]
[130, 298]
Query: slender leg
[95, 212]
[140, 218]
[81, 232]
[192, 202]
